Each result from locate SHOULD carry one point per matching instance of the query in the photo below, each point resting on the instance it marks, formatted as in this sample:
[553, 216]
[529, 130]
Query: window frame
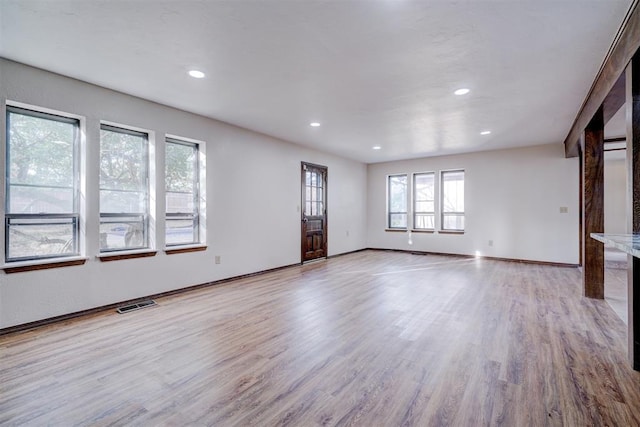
[442, 204]
[195, 216]
[414, 201]
[144, 216]
[74, 217]
[406, 208]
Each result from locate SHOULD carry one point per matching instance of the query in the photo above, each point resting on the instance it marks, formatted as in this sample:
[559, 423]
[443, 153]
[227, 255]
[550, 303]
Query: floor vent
[137, 306]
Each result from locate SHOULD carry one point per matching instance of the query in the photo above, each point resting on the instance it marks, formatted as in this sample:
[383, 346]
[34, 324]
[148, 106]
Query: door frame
[325, 222]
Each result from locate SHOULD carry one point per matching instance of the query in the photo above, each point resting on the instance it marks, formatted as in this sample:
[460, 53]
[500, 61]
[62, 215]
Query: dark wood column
[593, 206]
[581, 208]
[633, 203]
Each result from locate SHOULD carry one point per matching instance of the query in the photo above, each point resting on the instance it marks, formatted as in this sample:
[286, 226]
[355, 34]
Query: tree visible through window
[453, 200]
[182, 188]
[397, 201]
[124, 201]
[41, 218]
[423, 201]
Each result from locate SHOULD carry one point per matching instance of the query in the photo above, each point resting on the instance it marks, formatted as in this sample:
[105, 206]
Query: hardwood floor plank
[370, 338]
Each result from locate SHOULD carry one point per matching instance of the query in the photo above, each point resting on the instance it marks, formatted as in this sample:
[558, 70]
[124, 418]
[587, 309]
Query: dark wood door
[314, 212]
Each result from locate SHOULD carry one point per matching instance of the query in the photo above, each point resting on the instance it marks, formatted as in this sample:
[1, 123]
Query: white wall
[253, 199]
[615, 192]
[512, 197]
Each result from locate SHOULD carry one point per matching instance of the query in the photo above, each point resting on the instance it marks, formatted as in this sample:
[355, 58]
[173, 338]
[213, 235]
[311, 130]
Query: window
[124, 200]
[182, 193]
[397, 201]
[423, 201]
[452, 200]
[42, 175]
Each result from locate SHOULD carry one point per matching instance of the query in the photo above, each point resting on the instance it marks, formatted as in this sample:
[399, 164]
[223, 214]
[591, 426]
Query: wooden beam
[633, 205]
[593, 209]
[624, 47]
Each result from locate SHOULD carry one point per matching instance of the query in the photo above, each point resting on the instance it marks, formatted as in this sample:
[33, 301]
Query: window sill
[423, 231]
[21, 266]
[116, 256]
[451, 232]
[170, 250]
[396, 230]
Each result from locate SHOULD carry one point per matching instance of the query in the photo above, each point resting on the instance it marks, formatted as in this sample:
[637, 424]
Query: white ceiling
[371, 72]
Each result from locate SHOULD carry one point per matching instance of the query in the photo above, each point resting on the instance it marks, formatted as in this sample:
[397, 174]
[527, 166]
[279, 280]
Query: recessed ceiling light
[462, 91]
[196, 74]
[314, 124]
[485, 132]
[376, 147]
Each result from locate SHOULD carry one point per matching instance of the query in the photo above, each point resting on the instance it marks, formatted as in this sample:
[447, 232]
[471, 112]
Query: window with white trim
[397, 201]
[452, 200]
[42, 184]
[124, 189]
[424, 201]
[182, 185]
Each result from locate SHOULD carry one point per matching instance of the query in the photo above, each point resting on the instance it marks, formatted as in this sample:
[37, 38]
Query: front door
[314, 212]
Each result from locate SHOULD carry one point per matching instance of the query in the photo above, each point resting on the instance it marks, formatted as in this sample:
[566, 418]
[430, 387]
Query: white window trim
[151, 191]
[407, 208]
[202, 188]
[202, 162]
[80, 164]
[442, 212]
[435, 201]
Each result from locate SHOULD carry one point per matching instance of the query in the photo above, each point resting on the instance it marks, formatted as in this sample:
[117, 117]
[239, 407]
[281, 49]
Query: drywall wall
[615, 192]
[512, 198]
[252, 192]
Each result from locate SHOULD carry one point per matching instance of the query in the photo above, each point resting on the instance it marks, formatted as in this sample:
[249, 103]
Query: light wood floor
[371, 339]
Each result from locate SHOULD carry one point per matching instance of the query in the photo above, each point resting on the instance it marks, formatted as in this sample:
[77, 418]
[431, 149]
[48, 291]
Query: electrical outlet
[490, 242]
[347, 233]
[564, 209]
[217, 259]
